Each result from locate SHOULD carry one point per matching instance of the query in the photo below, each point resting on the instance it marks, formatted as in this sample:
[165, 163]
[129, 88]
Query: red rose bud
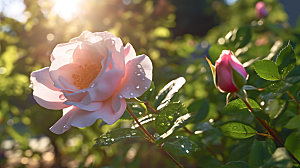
[261, 10]
[228, 73]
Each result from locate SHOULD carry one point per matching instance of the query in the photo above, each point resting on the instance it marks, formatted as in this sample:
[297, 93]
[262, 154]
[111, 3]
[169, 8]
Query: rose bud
[229, 74]
[261, 11]
[89, 78]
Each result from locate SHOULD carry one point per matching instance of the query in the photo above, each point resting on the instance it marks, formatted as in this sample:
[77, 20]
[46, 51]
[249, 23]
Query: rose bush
[89, 78]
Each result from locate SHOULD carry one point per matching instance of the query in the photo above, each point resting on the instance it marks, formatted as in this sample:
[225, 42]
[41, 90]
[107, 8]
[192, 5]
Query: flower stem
[268, 128]
[293, 98]
[151, 139]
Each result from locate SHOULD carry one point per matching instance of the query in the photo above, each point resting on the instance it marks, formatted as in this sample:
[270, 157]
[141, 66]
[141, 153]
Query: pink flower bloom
[89, 78]
[261, 10]
[229, 74]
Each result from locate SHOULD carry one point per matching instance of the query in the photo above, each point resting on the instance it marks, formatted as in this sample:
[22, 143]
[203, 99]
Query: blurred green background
[175, 34]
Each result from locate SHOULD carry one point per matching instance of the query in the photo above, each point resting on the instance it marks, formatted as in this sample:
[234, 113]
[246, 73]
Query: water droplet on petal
[121, 96]
[138, 74]
[146, 87]
[140, 113]
[139, 66]
[93, 85]
[187, 151]
[66, 126]
[62, 97]
[143, 79]
[137, 87]
[131, 94]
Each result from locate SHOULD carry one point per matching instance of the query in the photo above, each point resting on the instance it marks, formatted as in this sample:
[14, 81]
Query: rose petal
[44, 91]
[87, 54]
[107, 112]
[62, 75]
[63, 51]
[138, 77]
[129, 52]
[93, 106]
[106, 84]
[111, 43]
[76, 117]
[64, 123]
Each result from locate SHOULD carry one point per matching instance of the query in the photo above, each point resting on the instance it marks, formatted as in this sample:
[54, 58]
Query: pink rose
[261, 10]
[89, 78]
[229, 74]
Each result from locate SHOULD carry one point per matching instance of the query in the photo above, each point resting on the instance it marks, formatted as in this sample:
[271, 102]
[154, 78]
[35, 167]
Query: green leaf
[237, 105]
[260, 152]
[242, 37]
[117, 135]
[294, 76]
[237, 110]
[144, 120]
[286, 60]
[201, 108]
[236, 164]
[180, 145]
[267, 70]
[149, 93]
[292, 143]
[166, 94]
[169, 115]
[279, 159]
[237, 130]
[215, 52]
[275, 107]
[293, 123]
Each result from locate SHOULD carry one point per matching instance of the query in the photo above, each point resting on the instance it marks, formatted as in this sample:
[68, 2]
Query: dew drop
[121, 96]
[143, 79]
[66, 126]
[133, 133]
[62, 97]
[187, 151]
[139, 66]
[140, 113]
[93, 85]
[138, 74]
[182, 146]
[137, 87]
[112, 139]
[146, 87]
[131, 94]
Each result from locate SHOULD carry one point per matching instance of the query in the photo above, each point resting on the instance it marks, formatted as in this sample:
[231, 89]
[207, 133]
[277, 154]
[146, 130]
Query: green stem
[151, 139]
[268, 128]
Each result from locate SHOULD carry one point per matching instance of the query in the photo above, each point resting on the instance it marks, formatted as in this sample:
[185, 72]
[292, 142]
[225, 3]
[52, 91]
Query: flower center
[86, 74]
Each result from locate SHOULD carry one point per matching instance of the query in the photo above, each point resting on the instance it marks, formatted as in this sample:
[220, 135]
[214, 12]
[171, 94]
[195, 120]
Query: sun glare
[66, 9]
